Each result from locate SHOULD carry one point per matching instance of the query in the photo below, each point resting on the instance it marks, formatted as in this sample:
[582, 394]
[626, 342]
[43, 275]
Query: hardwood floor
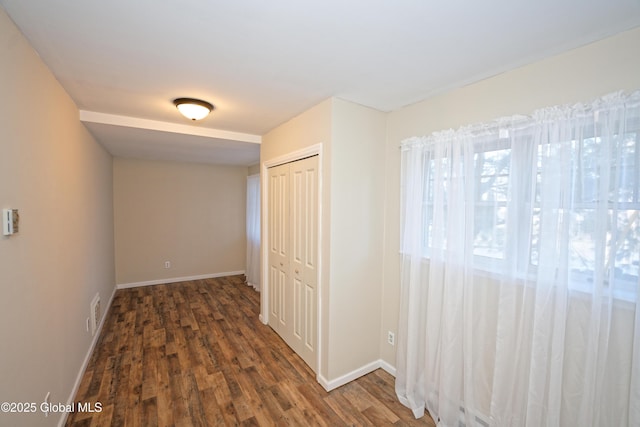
[195, 354]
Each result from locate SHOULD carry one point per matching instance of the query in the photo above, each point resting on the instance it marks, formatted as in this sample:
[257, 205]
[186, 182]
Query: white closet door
[293, 258]
[278, 206]
[304, 259]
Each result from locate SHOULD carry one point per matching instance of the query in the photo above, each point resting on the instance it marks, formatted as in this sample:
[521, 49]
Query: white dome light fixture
[193, 109]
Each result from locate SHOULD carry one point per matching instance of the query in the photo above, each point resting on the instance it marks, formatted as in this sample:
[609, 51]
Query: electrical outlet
[167, 264]
[391, 338]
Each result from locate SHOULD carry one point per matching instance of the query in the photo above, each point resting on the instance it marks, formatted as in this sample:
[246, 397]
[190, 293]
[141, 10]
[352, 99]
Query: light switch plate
[10, 221]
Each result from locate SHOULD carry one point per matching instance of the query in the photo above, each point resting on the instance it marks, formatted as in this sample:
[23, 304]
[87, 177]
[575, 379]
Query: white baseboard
[85, 362]
[177, 279]
[388, 367]
[357, 373]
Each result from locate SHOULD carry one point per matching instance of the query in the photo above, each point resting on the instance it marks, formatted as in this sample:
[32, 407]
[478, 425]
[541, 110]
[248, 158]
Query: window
[615, 220]
[510, 190]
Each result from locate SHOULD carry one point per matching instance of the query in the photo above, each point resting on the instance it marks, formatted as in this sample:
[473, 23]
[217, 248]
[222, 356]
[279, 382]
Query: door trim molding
[309, 151]
[312, 150]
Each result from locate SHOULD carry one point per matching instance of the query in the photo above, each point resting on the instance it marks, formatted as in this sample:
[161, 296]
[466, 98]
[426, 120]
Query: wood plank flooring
[195, 354]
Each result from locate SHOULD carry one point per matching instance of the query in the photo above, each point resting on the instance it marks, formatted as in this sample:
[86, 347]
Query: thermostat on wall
[10, 221]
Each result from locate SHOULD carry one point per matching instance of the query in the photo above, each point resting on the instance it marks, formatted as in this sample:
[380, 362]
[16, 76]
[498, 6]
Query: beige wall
[352, 139]
[192, 215]
[357, 224]
[580, 75]
[60, 179]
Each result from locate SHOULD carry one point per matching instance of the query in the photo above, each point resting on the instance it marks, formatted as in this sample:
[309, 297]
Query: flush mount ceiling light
[194, 109]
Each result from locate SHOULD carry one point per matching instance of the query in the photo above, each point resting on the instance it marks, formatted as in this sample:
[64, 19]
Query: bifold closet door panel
[278, 206]
[304, 259]
[293, 258]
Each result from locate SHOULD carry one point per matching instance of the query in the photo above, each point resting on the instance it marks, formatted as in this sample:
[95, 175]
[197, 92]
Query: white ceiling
[263, 62]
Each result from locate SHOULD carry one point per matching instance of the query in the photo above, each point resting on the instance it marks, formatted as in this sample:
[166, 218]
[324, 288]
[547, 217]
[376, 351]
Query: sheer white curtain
[520, 257]
[253, 231]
